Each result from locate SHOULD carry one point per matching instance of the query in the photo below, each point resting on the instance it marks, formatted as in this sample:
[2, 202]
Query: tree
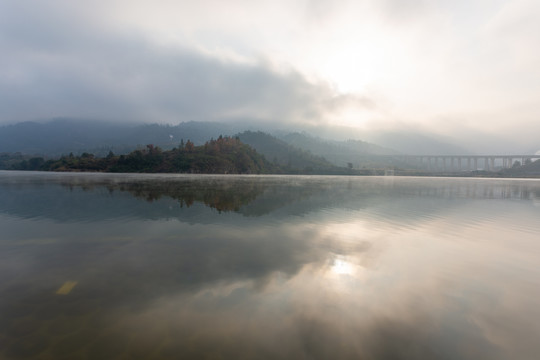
[35, 163]
[190, 146]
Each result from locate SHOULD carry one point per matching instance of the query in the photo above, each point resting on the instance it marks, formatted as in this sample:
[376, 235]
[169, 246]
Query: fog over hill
[427, 77]
[59, 136]
[62, 136]
[337, 145]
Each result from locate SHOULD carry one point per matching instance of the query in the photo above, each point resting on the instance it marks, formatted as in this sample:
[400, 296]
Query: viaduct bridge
[462, 162]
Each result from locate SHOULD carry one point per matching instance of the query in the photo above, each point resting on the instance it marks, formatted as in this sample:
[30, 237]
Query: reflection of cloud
[457, 284]
[200, 267]
[308, 318]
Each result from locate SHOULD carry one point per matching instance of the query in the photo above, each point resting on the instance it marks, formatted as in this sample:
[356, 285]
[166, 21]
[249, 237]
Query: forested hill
[337, 152]
[225, 155]
[285, 155]
[295, 152]
[62, 136]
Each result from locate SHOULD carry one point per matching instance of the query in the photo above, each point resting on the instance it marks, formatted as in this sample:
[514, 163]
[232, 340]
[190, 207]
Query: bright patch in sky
[453, 68]
[342, 267]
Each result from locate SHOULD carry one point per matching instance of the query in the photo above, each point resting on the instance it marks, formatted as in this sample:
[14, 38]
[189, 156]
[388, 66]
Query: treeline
[226, 155]
[9, 160]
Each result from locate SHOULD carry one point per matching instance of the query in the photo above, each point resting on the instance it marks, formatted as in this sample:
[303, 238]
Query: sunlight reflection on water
[268, 267]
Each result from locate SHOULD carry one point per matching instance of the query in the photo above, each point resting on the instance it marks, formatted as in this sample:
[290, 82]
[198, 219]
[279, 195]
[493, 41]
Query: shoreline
[363, 173]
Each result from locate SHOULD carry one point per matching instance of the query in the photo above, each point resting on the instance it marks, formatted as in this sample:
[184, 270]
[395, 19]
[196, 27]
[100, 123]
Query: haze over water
[103, 266]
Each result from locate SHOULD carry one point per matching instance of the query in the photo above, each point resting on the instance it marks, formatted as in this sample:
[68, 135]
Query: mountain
[415, 143]
[225, 155]
[339, 153]
[63, 136]
[284, 154]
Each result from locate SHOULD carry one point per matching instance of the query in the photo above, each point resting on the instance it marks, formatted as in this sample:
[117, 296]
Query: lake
[103, 266]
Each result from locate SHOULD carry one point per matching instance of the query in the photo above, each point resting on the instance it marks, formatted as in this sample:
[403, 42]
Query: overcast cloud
[58, 65]
[448, 67]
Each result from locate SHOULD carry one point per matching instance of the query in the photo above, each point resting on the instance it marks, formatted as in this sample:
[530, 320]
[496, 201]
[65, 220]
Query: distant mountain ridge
[279, 152]
[416, 143]
[63, 136]
[337, 152]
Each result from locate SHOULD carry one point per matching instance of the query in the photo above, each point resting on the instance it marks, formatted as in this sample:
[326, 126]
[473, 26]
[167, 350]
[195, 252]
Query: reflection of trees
[223, 196]
[258, 196]
[108, 196]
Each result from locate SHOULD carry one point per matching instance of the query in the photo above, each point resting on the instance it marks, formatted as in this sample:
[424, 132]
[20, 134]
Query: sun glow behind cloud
[342, 267]
[433, 65]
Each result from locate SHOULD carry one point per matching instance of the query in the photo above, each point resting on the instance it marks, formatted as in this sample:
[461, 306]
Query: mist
[463, 75]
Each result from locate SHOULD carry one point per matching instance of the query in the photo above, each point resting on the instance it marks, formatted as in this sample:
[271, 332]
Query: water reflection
[120, 267]
[106, 196]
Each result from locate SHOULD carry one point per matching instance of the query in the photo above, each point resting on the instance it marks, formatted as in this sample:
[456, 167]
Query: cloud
[58, 68]
[412, 62]
[137, 80]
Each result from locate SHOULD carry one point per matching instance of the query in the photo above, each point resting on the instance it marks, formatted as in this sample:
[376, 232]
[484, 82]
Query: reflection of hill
[95, 197]
[222, 196]
[99, 197]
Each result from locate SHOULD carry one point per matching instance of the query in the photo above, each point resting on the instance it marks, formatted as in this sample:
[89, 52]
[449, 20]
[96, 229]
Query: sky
[465, 69]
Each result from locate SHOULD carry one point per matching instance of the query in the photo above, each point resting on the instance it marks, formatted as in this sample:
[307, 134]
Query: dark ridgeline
[226, 155]
[62, 136]
[102, 147]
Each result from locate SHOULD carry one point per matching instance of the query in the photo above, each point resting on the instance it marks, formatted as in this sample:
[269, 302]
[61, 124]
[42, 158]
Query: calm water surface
[99, 266]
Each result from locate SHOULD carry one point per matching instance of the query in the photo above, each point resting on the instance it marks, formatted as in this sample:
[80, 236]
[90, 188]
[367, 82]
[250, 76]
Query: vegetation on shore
[226, 155]
[247, 153]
